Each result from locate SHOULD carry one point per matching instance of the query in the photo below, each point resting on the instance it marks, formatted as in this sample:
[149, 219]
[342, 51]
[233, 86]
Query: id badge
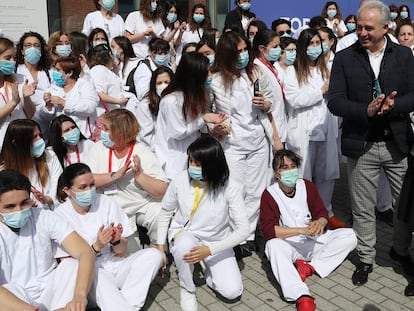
[110, 190]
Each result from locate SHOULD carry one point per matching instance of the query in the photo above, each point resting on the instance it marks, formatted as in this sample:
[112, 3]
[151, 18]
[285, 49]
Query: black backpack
[130, 80]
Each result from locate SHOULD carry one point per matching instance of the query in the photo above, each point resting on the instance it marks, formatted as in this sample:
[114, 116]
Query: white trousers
[222, 272]
[124, 283]
[58, 291]
[251, 171]
[324, 253]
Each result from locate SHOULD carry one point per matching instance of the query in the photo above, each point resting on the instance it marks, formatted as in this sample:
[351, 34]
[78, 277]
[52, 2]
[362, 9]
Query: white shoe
[188, 301]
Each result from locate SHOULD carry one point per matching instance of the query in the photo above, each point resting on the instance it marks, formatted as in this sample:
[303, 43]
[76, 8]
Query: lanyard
[77, 156]
[127, 159]
[274, 73]
[197, 201]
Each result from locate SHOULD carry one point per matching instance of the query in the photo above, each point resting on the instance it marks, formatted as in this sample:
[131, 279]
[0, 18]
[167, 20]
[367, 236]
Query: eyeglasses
[282, 32]
[29, 45]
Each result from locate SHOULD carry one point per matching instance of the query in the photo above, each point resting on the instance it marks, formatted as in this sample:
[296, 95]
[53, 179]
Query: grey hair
[376, 4]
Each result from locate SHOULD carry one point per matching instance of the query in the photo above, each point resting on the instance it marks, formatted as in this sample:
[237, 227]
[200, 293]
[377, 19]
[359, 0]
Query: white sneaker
[188, 301]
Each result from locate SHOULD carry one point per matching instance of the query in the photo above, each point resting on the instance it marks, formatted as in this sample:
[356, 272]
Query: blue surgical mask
[107, 142]
[108, 4]
[154, 6]
[290, 57]
[38, 147]
[351, 26]
[116, 54]
[274, 54]
[208, 82]
[243, 60]
[171, 17]
[32, 55]
[325, 47]
[58, 78]
[331, 13]
[393, 15]
[404, 14]
[211, 59]
[71, 137]
[17, 219]
[195, 172]
[313, 52]
[198, 18]
[289, 177]
[85, 198]
[98, 42]
[245, 6]
[162, 59]
[7, 67]
[63, 49]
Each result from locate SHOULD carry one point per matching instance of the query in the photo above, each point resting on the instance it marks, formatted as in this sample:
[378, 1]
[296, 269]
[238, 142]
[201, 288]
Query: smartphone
[256, 87]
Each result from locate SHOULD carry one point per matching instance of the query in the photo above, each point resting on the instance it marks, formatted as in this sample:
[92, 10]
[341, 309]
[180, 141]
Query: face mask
[107, 142]
[245, 6]
[98, 42]
[286, 34]
[32, 55]
[211, 59]
[63, 49]
[198, 18]
[160, 88]
[313, 52]
[38, 147]
[208, 82]
[325, 47]
[58, 78]
[243, 60]
[85, 198]
[108, 4]
[290, 57]
[7, 67]
[274, 54]
[162, 60]
[154, 6]
[195, 172]
[404, 14]
[350, 26]
[393, 15]
[116, 54]
[289, 177]
[171, 17]
[17, 219]
[331, 13]
[72, 137]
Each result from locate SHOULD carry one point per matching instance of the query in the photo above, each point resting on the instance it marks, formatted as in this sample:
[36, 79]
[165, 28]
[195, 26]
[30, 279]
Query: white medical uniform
[209, 226]
[120, 283]
[341, 26]
[142, 78]
[113, 27]
[147, 122]
[84, 146]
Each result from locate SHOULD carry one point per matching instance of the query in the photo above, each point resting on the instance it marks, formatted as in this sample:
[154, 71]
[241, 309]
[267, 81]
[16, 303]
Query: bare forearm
[9, 302]
[285, 232]
[28, 107]
[134, 38]
[85, 273]
[155, 187]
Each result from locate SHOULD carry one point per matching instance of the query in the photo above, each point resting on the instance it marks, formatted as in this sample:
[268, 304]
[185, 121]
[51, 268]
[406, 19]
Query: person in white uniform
[333, 17]
[15, 101]
[125, 59]
[294, 222]
[120, 283]
[208, 219]
[24, 150]
[104, 18]
[31, 279]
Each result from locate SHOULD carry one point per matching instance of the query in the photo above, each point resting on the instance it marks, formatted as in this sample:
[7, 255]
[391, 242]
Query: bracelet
[115, 243]
[97, 253]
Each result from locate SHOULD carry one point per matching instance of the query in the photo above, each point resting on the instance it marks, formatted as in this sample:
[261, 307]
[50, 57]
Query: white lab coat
[113, 27]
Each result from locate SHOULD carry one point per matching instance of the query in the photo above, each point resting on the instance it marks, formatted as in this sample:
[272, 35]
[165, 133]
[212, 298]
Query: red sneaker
[306, 303]
[335, 223]
[304, 269]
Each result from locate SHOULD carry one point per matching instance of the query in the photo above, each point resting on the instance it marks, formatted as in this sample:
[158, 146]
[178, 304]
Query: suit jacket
[351, 91]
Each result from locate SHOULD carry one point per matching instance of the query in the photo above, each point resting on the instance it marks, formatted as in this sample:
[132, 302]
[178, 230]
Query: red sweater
[270, 214]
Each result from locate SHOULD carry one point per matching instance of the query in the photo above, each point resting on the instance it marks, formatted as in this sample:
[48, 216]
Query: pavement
[384, 290]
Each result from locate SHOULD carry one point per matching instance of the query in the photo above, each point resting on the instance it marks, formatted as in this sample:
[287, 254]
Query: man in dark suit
[372, 89]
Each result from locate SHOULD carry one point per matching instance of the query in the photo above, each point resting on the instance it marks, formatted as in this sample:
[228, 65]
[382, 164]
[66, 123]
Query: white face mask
[161, 87]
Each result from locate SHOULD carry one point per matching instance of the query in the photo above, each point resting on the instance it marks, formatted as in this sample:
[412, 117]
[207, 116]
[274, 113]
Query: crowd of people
[135, 141]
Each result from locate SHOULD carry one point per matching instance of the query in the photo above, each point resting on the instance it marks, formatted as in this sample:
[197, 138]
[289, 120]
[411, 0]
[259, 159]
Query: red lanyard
[131, 148]
[77, 156]
[274, 73]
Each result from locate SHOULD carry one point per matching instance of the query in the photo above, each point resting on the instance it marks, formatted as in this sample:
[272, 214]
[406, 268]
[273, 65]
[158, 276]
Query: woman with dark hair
[124, 57]
[67, 141]
[287, 57]
[97, 37]
[104, 18]
[350, 23]
[208, 49]
[143, 25]
[394, 12]
[254, 27]
[333, 17]
[15, 101]
[74, 96]
[120, 282]
[182, 113]
[80, 49]
[24, 150]
[405, 35]
[241, 15]
[148, 108]
[329, 41]
[243, 92]
[404, 17]
[312, 129]
[208, 219]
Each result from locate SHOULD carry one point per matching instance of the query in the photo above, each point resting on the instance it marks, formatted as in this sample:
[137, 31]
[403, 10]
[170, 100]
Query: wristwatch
[97, 253]
[115, 243]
